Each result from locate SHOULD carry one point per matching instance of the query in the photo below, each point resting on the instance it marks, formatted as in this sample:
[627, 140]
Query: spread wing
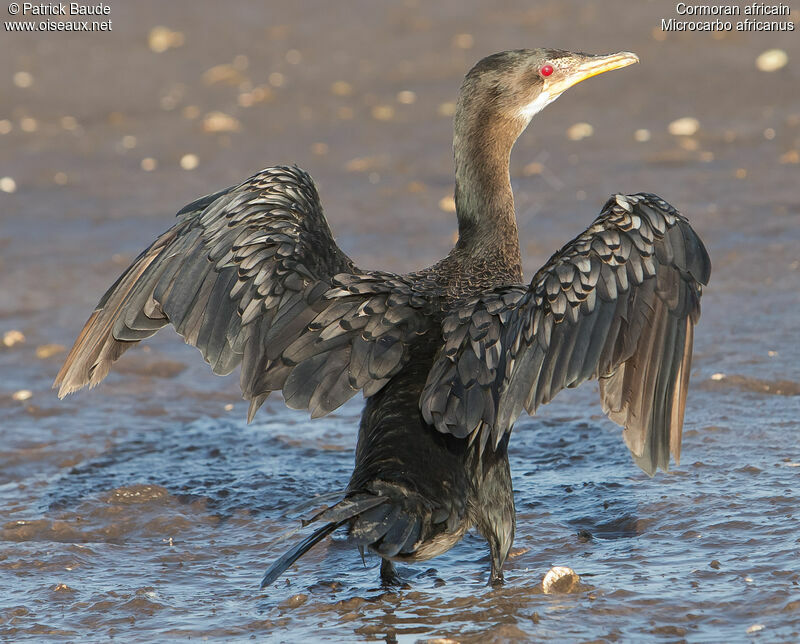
[252, 275]
[618, 303]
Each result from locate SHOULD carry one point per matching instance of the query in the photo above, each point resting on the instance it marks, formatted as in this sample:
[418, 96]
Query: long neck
[487, 224]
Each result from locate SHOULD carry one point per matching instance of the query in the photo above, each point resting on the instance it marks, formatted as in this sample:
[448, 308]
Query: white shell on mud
[560, 579]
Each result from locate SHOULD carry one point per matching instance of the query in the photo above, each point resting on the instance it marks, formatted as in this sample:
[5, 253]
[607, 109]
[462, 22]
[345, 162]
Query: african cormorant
[447, 357]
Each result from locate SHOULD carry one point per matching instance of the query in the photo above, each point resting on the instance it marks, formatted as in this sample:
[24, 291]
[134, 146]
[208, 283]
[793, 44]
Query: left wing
[618, 303]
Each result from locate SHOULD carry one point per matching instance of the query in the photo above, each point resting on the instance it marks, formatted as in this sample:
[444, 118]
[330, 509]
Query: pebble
[642, 135]
[772, 60]
[293, 57]
[579, 131]
[406, 97]
[10, 338]
[446, 109]
[341, 88]
[463, 41]
[28, 124]
[22, 394]
[685, 126]
[447, 204]
[7, 184]
[220, 122]
[69, 123]
[46, 350]
[189, 161]
[296, 600]
[754, 628]
[383, 112]
[718, 376]
[23, 79]
[791, 156]
[162, 38]
[224, 73]
[560, 579]
[149, 164]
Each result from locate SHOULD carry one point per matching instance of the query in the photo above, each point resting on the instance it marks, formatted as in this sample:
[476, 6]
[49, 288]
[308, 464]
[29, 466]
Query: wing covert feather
[252, 275]
[618, 303]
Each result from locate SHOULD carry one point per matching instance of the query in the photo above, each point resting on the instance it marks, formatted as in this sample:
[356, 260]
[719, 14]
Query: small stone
[579, 131]
[149, 164]
[214, 122]
[189, 161]
[463, 41]
[769, 134]
[10, 338]
[755, 628]
[22, 395]
[296, 600]
[791, 156]
[383, 112]
[447, 204]
[7, 184]
[23, 79]
[772, 60]
[715, 564]
[686, 126]
[641, 135]
[69, 123]
[28, 124]
[223, 73]
[47, 350]
[406, 97]
[228, 407]
[560, 579]
[341, 88]
[128, 142]
[162, 38]
[446, 109]
[718, 376]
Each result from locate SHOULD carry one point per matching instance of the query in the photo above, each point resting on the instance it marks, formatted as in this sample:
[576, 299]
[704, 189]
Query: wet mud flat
[147, 509]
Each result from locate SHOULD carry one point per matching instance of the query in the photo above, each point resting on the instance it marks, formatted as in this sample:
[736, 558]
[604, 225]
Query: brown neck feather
[487, 224]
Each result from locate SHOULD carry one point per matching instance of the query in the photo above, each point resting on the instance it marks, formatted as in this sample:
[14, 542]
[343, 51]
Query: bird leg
[389, 576]
[496, 577]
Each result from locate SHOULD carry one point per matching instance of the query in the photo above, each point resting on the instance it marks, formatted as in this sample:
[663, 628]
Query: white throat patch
[531, 109]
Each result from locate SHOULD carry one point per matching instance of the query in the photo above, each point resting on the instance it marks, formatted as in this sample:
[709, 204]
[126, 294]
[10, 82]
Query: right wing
[618, 303]
[252, 274]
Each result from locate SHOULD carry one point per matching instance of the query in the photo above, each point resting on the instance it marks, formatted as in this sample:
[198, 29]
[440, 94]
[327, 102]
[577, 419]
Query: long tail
[334, 517]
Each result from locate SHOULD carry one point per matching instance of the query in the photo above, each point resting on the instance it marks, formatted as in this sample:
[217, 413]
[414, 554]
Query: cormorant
[447, 357]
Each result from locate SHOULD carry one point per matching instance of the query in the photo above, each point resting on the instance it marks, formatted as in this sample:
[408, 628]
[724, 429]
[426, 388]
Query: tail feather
[334, 517]
[289, 557]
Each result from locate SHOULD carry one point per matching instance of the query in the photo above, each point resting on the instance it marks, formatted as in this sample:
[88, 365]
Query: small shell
[560, 579]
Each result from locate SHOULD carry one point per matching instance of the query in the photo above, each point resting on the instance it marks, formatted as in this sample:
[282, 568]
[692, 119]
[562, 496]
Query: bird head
[515, 85]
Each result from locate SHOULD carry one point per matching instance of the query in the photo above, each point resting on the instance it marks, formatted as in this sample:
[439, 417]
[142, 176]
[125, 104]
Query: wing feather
[618, 303]
[252, 275]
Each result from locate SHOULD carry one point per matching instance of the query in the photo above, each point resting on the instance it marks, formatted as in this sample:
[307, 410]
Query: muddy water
[147, 509]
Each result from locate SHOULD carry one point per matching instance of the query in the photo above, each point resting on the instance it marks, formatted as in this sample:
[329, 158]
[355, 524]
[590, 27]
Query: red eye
[546, 70]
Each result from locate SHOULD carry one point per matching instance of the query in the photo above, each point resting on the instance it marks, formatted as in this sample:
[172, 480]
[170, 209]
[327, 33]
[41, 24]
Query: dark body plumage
[447, 357]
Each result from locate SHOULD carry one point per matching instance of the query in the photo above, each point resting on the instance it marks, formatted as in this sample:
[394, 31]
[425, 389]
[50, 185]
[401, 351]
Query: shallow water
[148, 509]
